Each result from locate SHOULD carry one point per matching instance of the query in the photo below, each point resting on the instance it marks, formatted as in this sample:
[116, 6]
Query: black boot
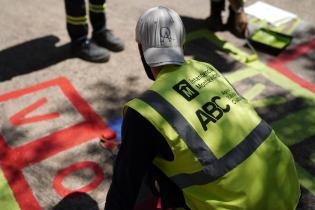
[107, 39]
[214, 21]
[89, 51]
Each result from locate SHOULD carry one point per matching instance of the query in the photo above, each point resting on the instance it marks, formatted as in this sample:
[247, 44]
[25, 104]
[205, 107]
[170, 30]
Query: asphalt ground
[54, 107]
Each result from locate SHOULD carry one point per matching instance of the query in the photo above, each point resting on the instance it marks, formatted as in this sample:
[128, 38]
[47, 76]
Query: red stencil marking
[14, 160]
[291, 55]
[21, 119]
[62, 174]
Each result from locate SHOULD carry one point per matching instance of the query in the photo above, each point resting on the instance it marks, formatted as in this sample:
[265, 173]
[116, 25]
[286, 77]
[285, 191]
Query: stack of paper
[273, 15]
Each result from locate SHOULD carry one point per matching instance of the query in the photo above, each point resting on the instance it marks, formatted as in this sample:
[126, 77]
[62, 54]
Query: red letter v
[20, 119]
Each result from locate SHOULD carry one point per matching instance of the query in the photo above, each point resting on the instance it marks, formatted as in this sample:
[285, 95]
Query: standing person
[202, 142]
[237, 20]
[94, 50]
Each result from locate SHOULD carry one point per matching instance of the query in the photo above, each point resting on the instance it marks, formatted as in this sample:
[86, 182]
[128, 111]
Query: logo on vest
[186, 90]
[211, 112]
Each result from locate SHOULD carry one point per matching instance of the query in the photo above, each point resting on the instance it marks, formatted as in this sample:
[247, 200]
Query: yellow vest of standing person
[225, 156]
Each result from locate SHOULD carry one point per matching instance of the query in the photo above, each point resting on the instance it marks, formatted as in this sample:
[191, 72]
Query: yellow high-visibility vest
[225, 156]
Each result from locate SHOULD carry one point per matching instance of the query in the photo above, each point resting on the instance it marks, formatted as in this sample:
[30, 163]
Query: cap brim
[163, 56]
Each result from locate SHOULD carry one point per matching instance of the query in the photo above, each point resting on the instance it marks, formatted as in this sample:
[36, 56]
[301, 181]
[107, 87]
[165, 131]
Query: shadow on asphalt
[110, 98]
[77, 201]
[205, 50]
[113, 96]
[31, 56]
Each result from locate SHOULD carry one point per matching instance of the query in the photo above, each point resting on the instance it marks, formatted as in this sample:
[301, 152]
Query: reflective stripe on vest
[213, 168]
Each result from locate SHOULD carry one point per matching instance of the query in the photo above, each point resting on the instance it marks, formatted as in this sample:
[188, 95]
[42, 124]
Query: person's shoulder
[201, 63]
[132, 114]
[193, 61]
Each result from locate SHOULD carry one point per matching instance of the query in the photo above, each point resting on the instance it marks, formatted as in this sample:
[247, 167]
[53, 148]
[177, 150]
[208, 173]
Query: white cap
[161, 33]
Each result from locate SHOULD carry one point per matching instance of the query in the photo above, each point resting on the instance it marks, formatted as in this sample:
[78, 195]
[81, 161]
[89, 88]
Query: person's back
[225, 156]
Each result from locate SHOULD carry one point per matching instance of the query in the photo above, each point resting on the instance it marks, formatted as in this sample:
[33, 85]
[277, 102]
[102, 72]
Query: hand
[241, 23]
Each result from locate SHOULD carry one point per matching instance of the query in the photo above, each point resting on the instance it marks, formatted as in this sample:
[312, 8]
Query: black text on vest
[211, 112]
[186, 90]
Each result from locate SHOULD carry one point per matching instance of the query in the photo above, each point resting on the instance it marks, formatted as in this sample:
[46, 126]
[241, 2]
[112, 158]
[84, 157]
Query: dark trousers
[217, 6]
[77, 24]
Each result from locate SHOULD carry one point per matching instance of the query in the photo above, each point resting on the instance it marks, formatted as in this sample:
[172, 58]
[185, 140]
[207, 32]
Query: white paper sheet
[271, 14]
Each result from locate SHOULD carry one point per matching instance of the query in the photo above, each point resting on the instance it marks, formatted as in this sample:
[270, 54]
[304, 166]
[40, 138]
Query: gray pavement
[34, 49]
